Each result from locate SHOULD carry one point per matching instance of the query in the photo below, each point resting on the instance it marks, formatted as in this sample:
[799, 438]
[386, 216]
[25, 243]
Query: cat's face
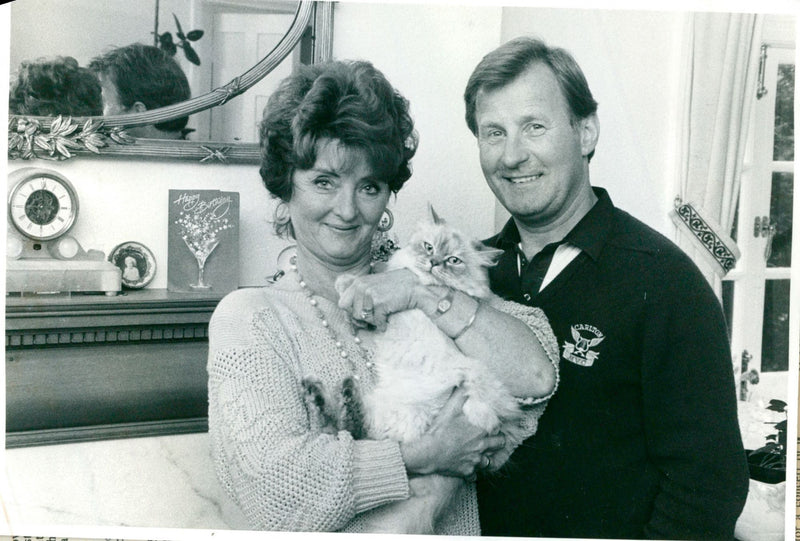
[441, 255]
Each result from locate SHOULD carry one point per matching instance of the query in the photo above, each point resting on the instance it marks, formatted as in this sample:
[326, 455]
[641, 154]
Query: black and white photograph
[137, 263]
[518, 269]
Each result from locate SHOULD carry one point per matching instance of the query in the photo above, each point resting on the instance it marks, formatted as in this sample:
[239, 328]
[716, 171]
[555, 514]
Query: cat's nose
[435, 263]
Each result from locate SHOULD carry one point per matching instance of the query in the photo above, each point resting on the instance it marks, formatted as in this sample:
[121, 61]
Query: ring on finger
[485, 461]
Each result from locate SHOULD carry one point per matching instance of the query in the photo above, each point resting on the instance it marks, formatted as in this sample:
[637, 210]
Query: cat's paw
[313, 391]
[343, 281]
[349, 387]
[320, 409]
[481, 415]
[352, 409]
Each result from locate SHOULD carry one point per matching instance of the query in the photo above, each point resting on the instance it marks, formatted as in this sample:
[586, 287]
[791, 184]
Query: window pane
[727, 303]
[775, 338]
[784, 114]
[735, 224]
[780, 214]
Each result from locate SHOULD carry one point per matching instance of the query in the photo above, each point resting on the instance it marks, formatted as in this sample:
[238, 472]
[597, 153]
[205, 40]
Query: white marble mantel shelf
[153, 482]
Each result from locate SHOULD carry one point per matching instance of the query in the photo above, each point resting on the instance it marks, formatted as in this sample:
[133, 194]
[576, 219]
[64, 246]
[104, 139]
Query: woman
[55, 86]
[336, 143]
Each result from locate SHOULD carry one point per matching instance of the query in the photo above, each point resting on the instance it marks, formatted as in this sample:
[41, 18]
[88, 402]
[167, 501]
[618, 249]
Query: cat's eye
[428, 247]
[453, 260]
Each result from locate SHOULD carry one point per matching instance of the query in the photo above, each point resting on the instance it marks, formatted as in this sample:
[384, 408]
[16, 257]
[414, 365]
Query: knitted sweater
[280, 470]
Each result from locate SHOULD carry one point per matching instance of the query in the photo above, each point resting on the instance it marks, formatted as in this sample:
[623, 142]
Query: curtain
[722, 73]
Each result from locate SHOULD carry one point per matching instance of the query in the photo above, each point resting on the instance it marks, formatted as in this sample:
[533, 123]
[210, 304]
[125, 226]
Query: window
[756, 292]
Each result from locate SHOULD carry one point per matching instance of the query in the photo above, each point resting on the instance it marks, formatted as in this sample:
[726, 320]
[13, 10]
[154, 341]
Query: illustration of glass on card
[203, 242]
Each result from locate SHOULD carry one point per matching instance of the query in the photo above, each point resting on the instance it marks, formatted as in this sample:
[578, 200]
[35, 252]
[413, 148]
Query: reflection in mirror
[136, 78]
[236, 34]
[309, 39]
[54, 86]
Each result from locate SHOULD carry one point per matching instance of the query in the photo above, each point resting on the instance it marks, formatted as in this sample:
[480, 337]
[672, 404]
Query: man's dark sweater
[641, 439]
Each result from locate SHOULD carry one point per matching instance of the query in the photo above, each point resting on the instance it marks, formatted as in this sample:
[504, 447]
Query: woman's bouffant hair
[55, 86]
[349, 101]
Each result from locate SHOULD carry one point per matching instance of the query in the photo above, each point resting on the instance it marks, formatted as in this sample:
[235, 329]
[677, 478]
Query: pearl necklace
[340, 345]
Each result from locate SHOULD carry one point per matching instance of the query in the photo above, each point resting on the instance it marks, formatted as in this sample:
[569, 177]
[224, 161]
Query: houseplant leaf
[190, 53]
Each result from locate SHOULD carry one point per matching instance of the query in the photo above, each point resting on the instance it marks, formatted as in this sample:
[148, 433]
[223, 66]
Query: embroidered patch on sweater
[585, 338]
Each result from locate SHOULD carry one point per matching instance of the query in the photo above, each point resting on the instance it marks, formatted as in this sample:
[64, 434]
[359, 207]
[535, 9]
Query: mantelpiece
[88, 367]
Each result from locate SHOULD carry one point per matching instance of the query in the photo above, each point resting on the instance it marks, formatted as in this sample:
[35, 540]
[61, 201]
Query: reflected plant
[166, 43]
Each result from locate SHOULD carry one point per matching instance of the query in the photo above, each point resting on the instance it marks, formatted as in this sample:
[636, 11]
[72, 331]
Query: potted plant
[768, 463]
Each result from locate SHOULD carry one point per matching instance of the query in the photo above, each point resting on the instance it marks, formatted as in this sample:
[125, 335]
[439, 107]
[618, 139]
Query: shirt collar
[589, 234]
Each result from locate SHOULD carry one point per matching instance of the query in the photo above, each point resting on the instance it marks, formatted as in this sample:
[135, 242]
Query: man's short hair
[504, 64]
[146, 74]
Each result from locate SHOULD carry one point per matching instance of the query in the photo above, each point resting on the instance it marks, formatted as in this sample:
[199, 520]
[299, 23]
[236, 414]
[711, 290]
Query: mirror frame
[62, 138]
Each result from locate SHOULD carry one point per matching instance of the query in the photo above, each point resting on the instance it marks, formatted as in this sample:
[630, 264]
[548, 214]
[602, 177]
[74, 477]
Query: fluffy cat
[418, 365]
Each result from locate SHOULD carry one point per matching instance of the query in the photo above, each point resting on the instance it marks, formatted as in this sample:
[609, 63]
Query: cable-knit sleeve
[282, 475]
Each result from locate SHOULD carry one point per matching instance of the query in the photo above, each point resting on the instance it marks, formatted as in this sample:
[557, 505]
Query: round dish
[137, 263]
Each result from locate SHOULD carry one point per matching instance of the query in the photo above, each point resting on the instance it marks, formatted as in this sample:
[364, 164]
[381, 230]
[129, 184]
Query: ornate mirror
[277, 33]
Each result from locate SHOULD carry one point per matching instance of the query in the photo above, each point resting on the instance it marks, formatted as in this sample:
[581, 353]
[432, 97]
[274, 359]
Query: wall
[630, 58]
[428, 52]
[126, 200]
[632, 61]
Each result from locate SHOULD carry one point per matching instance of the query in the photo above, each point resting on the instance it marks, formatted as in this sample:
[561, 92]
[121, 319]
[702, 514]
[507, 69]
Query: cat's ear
[435, 217]
[489, 256]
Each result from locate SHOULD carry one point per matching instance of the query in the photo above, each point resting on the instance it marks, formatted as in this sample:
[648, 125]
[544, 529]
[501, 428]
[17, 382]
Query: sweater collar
[589, 234]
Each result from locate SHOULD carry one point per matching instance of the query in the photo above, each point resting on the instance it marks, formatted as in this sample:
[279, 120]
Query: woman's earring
[387, 221]
[286, 257]
[383, 246]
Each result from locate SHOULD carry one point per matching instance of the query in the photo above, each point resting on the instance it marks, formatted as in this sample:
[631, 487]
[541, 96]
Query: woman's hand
[370, 299]
[452, 445]
[431, 497]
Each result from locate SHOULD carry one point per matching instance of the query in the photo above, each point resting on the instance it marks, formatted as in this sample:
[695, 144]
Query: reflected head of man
[138, 78]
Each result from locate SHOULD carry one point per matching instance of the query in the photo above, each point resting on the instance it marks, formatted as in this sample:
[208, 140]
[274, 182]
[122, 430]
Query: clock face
[43, 207]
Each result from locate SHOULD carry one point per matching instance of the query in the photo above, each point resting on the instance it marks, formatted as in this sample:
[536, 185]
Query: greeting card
[203, 242]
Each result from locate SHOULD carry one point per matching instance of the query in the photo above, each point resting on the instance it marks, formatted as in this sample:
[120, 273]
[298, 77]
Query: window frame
[751, 273]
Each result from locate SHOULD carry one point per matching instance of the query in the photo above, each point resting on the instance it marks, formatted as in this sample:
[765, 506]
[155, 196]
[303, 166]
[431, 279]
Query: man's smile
[522, 179]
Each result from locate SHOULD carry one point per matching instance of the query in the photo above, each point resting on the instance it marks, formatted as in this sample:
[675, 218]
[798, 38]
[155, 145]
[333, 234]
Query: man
[641, 438]
[138, 78]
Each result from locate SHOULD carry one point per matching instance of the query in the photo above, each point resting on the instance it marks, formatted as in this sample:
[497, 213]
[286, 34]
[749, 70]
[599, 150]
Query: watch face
[43, 206]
